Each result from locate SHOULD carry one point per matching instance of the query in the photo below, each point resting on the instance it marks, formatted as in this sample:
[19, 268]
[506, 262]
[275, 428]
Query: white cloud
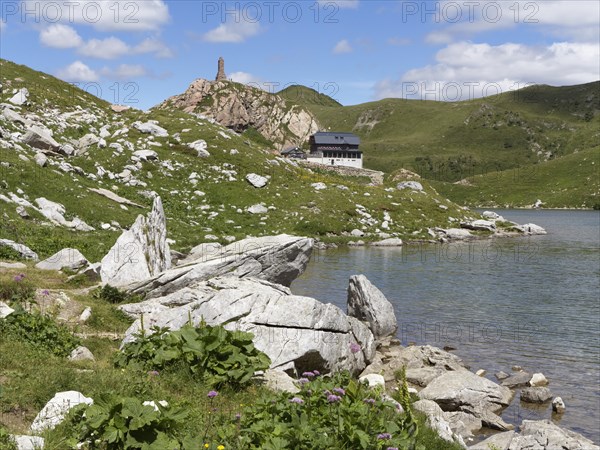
[107, 15]
[153, 45]
[3, 26]
[342, 47]
[571, 19]
[342, 4]
[108, 48]
[125, 72]
[233, 32]
[77, 71]
[112, 48]
[246, 78]
[398, 42]
[466, 70]
[60, 36]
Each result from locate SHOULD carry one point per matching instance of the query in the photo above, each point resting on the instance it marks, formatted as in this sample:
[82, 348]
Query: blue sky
[141, 52]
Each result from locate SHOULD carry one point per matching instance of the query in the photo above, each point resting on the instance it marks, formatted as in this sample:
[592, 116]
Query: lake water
[527, 301]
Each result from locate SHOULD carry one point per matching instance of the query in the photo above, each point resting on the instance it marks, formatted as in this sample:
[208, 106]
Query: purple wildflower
[333, 398]
[339, 391]
[384, 436]
[238, 416]
[19, 278]
[355, 348]
[317, 373]
[154, 373]
[45, 292]
[297, 400]
[212, 394]
[308, 374]
[303, 380]
[392, 448]
[369, 401]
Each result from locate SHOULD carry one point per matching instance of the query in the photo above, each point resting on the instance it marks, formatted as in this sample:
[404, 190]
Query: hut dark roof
[329, 138]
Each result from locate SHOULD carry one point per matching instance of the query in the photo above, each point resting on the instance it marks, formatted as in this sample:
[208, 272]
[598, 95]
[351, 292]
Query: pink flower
[212, 394]
[355, 348]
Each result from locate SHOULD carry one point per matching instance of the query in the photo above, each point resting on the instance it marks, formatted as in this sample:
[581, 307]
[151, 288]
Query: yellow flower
[221, 447]
[206, 445]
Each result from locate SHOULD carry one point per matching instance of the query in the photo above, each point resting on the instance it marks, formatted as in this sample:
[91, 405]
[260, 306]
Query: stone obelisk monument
[221, 73]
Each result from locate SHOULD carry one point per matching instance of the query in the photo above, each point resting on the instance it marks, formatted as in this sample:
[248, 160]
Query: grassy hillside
[212, 207]
[307, 97]
[570, 181]
[451, 141]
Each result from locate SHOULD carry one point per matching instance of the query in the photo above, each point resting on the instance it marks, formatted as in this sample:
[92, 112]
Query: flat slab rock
[278, 259]
[298, 333]
[537, 435]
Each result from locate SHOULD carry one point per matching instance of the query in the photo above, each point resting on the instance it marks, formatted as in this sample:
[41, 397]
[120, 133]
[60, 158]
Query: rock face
[141, 252]
[240, 107]
[67, 258]
[438, 421]
[24, 251]
[297, 333]
[464, 391]
[278, 259]
[537, 435]
[56, 409]
[367, 303]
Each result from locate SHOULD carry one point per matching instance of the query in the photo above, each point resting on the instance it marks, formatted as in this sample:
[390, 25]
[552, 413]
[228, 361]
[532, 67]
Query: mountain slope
[451, 141]
[205, 198]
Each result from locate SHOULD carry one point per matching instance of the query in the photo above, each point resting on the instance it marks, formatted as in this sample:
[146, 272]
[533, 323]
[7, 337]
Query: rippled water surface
[530, 301]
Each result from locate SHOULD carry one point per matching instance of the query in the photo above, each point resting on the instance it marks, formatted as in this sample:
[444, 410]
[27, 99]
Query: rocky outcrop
[278, 259]
[240, 107]
[56, 410]
[140, 252]
[298, 333]
[37, 137]
[67, 258]
[537, 435]
[438, 421]
[367, 303]
[55, 213]
[23, 251]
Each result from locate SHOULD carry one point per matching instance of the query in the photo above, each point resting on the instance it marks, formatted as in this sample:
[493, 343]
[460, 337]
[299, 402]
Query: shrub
[114, 295]
[39, 331]
[213, 354]
[17, 291]
[114, 423]
[336, 412]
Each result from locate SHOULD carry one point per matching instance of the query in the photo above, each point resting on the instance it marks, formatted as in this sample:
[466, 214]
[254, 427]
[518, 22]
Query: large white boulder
[256, 180]
[20, 98]
[29, 442]
[67, 258]
[201, 148]
[55, 212]
[56, 410]
[145, 155]
[5, 310]
[140, 252]
[39, 138]
[531, 229]
[298, 333]
[367, 303]
[150, 128]
[279, 259]
[24, 251]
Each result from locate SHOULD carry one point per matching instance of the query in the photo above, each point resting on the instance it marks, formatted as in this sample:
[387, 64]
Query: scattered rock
[373, 380]
[56, 409]
[481, 373]
[256, 180]
[531, 229]
[558, 405]
[413, 185]
[81, 353]
[14, 266]
[55, 213]
[538, 379]
[479, 225]
[5, 310]
[119, 108]
[145, 155]
[67, 258]
[319, 186]
[258, 209]
[279, 381]
[438, 421]
[200, 146]
[114, 197]
[38, 138]
[22, 212]
[501, 375]
[536, 395]
[391, 242]
[29, 442]
[41, 159]
[140, 252]
[85, 315]
[357, 233]
[517, 380]
[22, 250]
[20, 98]
[367, 303]
[87, 141]
[150, 128]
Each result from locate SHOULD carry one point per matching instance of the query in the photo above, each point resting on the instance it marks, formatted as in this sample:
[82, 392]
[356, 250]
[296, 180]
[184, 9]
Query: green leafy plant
[213, 354]
[336, 412]
[114, 295]
[6, 441]
[38, 330]
[114, 423]
[17, 290]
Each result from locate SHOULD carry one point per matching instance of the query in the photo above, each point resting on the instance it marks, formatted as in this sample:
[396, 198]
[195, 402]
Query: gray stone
[367, 303]
[13, 116]
[279, 381]
[67, 258]
[531, 229]
[29, 442]
[501, 375]
[279, 259]
[5, 310]
[258, 209]
[536, 395]
[39, 138]
[357, 233]
[150, 128]
[56, 410]
[373, 380]
[457, 234]
[413, 185]
[114, 197]
[319, 186]
[41, 159]
[298, 333]
[55, 213]
[391, 242]
[24, 251]
[200, 146]
[538, 379]
[141, 252]
[88, 140]
[145, 155]
[202, 252]
[558, 405]
[81, 353]
[85, 315]
[22, 212]
[13, 266]
[437, 421]
[20, 98]
[464, 391]
[479, 225]
[517, 380]
[256, 180]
